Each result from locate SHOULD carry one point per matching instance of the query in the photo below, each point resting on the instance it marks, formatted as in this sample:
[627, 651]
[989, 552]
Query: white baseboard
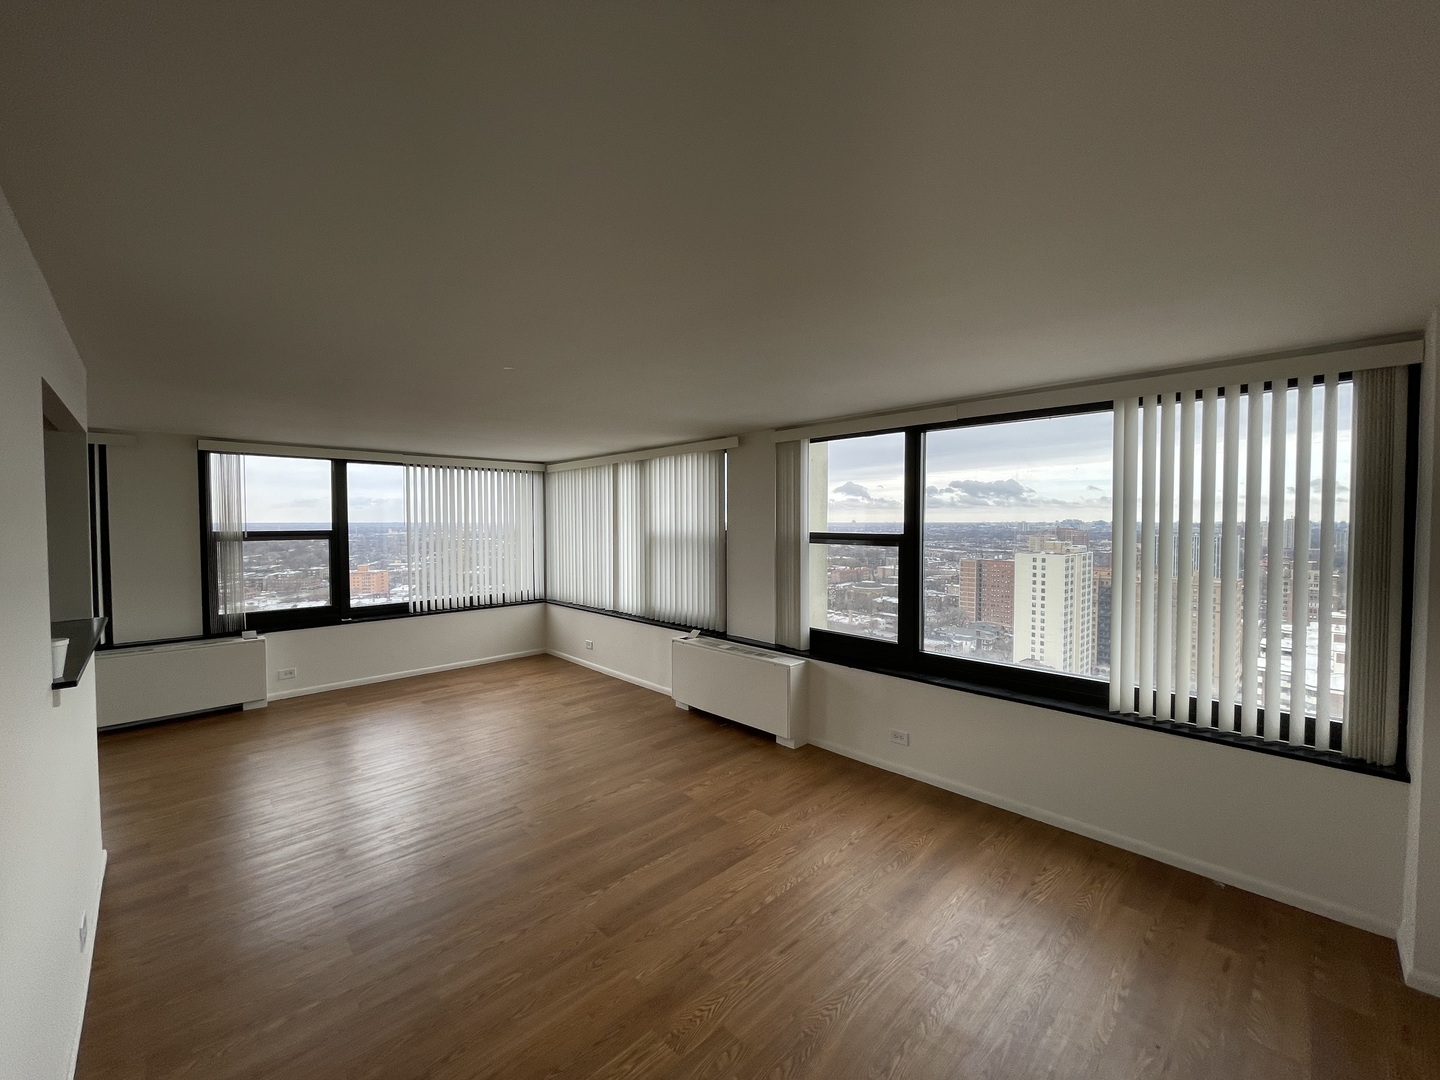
[1427, 982]
[302, 691]
[646, 683]
[1285, 895]
[93, 921]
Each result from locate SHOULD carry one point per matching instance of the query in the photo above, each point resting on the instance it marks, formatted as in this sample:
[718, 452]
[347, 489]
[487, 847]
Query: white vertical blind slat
[1275, 567]
[1250, 618]
[1165, 570]
[1300, 565]
[1230, 601]
[1185, 571]
[1128, 568]
[1205, 571]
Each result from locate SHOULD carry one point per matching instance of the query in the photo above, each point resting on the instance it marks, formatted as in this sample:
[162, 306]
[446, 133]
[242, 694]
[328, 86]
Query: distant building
[1103, 599]
[367, 582]
[986, 591]
[1055, 607]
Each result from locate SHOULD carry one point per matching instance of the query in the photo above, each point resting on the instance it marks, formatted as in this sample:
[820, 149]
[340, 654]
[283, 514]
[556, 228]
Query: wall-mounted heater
[751, 686]
[150, 682]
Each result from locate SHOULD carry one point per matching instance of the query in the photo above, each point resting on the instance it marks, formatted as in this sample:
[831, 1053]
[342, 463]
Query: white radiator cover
[755, 687]
[151, 682]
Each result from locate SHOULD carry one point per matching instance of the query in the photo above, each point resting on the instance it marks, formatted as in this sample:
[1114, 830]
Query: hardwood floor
[530, 870]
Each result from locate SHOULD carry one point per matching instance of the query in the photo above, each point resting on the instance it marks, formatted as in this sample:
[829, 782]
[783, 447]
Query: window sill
[84, 636]
[358, 618]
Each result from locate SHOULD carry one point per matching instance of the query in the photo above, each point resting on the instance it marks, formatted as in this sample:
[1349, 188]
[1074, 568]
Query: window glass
[858, 485]
[378, 552]
[855, 589]
[1017, 535]
[283, 493]
[283, 574]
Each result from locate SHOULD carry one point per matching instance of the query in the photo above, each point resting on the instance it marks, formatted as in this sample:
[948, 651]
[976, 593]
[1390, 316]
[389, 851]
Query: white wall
[1419, 935]
[750, 539]
[329, 657]
[1323, 839]
[67, 522]
[50, 855]
[634, 651]
[154, 538]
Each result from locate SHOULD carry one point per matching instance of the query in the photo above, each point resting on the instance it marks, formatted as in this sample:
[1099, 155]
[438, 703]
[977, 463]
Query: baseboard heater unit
[134, 683]
[754, 687]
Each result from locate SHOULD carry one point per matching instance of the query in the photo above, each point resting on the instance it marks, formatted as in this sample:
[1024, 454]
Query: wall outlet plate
[589, 644]
[899, 738]
[285, 673]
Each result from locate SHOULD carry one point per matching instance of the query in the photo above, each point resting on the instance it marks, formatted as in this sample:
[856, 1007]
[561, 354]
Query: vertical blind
[226, 551]
[643, 537]
[1231, 607]
[580, 544]
[474, 536]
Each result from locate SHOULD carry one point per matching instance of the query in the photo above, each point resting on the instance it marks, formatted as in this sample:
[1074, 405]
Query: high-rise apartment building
[986, 591]
[1055, 607]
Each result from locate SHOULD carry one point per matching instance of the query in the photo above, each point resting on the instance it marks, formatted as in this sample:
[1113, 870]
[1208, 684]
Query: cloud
[993, 489]
[853, 497]
[1011, 493]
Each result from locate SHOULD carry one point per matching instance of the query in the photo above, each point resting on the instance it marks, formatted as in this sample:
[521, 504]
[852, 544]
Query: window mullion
[908, 632]
[339, 541]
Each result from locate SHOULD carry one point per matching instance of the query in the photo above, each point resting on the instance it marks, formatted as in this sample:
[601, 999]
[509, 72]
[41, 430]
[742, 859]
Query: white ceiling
[546, 230]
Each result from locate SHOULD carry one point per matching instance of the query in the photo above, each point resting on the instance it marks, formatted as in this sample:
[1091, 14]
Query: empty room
[733, 540]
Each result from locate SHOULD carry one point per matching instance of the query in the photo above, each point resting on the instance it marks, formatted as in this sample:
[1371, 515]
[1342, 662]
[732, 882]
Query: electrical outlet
[84, 931]
[589, 644]
[285, 673]
[900, 738]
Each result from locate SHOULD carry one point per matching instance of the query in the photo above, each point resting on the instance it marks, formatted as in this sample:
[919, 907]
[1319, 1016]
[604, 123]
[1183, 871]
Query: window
[304, 541]
[1191, 558]
[1004, 502]
[378, 552]
[288, 533]
[856, 530]
[931, 549]
[642, 537]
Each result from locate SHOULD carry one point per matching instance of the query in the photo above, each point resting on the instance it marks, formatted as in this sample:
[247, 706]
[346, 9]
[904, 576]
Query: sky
[281, 490]
[1047, 469]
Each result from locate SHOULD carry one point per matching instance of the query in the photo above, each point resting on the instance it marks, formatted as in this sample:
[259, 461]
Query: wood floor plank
[532, 870]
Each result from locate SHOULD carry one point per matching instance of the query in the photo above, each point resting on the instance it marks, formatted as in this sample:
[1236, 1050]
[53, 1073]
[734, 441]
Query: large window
[378, 554]
[1231, 559]
[1017, 536]
[975, 551]
[296, 541]
[289, 534]
[856, 530]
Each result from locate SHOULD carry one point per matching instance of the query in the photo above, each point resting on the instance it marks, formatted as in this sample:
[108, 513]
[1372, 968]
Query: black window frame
[906, 655]
[339, 610]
